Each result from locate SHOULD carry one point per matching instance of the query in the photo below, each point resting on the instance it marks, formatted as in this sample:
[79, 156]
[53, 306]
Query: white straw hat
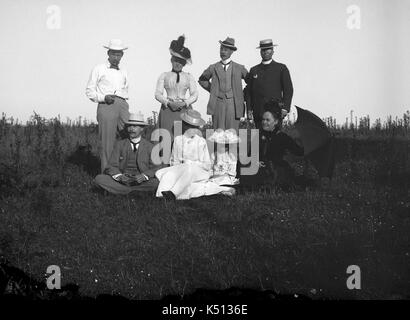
[136, 119]
[116, 44]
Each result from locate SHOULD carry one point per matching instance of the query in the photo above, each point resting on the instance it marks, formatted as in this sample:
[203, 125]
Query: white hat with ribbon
[116, 44]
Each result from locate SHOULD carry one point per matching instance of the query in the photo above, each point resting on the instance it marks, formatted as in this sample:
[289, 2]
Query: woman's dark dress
[272, 148]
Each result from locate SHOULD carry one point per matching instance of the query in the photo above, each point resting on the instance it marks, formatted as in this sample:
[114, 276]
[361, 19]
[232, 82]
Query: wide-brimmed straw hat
[229, 43]
[136, 119]
[177, 49]
[116, 44]
[228, 136]
[192, 117]
[266, 44]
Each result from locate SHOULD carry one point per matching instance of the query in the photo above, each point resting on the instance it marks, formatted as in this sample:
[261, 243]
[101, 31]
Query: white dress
[190, 170]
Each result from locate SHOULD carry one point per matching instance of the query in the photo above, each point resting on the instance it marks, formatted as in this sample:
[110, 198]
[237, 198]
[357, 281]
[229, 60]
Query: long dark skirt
[167, 117]
[279, 175]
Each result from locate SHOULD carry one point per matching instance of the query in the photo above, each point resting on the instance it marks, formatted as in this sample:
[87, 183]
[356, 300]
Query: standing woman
[176, 84]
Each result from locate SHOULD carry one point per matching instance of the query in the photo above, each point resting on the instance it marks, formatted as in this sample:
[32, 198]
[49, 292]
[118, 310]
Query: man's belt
[116, 97]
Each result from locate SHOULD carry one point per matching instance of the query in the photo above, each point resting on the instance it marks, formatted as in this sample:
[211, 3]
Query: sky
[340, 57]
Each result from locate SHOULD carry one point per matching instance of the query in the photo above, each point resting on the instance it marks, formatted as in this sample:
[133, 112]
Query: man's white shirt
[105, 80]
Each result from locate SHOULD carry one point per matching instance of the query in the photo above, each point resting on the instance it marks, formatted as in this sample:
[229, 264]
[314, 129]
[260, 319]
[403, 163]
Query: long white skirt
[186, 181]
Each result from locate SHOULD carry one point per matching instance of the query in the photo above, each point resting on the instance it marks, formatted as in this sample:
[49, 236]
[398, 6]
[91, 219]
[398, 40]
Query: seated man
[130, 167]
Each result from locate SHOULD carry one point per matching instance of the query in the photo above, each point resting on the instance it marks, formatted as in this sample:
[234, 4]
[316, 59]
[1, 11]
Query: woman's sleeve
[175, 154]
[292, 146]
[204, 156]
[193, 91]
[160, 90]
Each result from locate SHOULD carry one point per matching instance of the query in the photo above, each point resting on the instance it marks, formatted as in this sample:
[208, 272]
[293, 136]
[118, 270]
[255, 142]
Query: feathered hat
[177, 49]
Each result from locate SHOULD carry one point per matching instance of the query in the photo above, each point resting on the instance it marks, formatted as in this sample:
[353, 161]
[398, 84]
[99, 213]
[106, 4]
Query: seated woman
[190, 169]
[273, 145]
[226, 157]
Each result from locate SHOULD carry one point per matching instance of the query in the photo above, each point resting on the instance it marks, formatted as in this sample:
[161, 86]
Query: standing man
[267, 81]
[226, 100]
[108, 86]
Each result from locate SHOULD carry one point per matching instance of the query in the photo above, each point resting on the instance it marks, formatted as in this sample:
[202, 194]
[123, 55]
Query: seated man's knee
[100, 179]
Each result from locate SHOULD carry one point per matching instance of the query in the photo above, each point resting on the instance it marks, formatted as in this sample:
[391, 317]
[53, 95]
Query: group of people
[127, 163]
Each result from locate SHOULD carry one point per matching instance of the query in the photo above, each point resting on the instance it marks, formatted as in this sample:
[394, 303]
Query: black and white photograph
[204, 155]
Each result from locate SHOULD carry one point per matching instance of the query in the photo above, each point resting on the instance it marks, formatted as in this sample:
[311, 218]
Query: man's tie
[177, 72]
[225, 65]
[134, 145]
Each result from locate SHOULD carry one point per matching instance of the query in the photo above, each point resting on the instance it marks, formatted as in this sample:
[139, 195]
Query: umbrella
[317, 141]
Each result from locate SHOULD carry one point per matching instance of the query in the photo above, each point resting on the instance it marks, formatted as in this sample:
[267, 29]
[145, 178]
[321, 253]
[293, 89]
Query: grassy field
[142, 247]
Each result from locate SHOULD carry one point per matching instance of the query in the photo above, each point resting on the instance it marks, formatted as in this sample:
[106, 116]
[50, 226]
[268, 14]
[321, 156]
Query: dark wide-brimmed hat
[178, 50]
[193, 118]
[275, 107]
[229, 43]
[136, 119]
[266, 44]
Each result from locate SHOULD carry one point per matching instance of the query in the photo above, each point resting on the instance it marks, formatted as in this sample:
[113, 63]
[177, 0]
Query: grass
[142, 247]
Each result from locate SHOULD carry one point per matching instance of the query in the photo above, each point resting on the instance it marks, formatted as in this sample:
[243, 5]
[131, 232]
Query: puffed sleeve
[204, 156]
[159, 91]
[176, 155]
[193, 91]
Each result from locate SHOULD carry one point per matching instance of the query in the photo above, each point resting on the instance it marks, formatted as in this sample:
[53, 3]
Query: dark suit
[122, 161]
[218, 99]
[266, 82]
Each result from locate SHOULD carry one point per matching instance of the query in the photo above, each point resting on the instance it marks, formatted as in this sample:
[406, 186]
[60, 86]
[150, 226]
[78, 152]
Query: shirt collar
[136, 140]
[226, 61]
[267, 62]
[108, 65]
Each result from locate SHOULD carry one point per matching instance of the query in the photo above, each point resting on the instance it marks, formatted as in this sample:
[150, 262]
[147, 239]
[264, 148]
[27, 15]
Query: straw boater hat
[177, 49]
[229, 43]
[136, 119]
[266, 44]
[228, 136]
[116, 44]
[192, 117]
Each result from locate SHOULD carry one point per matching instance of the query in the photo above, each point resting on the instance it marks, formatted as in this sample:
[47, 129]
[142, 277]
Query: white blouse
[176, 91]
[190, 150]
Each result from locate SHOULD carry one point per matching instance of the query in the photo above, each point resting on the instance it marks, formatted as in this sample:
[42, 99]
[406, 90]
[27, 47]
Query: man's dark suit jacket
[119, 158]
[266, 82]
[213, 72]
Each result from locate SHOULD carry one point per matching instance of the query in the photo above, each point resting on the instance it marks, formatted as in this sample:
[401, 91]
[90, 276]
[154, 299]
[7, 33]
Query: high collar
[267, 62]
[229, 60]
[189, 137]
[270, 134]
